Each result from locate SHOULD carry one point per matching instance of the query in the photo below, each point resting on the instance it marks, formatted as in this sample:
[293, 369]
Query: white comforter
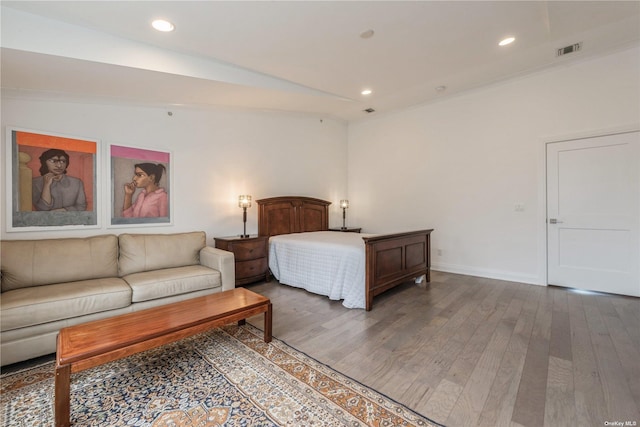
[323, 262]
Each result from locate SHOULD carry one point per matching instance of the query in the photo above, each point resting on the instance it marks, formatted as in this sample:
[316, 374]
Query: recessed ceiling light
[366, 92]
[507, 41]
[162, 25]
[441, 88]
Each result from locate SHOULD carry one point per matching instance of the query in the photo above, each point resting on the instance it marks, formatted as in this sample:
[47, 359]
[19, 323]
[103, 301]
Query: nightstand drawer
[251, 255]
[249, 250]
[251, 268]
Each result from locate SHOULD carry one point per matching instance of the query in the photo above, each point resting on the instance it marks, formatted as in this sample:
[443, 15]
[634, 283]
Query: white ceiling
[302, 56]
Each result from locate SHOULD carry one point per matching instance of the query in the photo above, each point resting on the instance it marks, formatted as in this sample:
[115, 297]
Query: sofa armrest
[220, 260]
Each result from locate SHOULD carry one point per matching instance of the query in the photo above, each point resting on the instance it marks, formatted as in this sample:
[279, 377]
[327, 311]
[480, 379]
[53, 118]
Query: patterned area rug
[225, 377]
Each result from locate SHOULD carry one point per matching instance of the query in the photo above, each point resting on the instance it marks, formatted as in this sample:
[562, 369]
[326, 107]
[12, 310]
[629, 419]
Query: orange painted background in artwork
[81, 157]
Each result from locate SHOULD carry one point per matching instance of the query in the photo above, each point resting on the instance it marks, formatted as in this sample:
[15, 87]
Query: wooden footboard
[393, 259]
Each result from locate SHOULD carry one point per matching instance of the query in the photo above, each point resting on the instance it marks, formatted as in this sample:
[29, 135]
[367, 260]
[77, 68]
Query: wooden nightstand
[251, 257]
[346, 230]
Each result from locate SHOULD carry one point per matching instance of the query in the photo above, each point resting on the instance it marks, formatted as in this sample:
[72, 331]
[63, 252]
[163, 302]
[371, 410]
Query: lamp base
[343, 228]
[244, 236]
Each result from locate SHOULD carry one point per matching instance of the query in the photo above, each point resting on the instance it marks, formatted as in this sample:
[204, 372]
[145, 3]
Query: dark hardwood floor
[469, 351]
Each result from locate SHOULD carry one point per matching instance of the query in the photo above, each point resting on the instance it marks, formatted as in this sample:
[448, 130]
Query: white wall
[217, 155]
[461, 165]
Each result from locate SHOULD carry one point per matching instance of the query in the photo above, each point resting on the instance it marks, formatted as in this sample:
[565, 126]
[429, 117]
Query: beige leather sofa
[50, 284]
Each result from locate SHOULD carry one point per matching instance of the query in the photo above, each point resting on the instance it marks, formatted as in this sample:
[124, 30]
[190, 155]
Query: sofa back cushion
[27, 263]
[145, 252]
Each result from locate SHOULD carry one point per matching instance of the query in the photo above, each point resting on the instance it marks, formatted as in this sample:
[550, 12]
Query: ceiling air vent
[569, 49]
[369, 110]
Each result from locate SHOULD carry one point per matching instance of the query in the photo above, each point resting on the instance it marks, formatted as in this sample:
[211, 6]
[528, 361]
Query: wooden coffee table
[91, 344]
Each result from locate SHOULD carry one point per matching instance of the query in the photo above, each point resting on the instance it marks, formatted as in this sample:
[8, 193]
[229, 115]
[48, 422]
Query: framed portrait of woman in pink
[140, 186]
[52, 181]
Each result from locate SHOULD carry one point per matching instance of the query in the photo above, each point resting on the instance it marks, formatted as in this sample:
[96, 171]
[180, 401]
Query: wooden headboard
[292, 214]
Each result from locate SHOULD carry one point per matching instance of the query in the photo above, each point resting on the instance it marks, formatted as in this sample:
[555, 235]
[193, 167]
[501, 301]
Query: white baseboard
[509, 276]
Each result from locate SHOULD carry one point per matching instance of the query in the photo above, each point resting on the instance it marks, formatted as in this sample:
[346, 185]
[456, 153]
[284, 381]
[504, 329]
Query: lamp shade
[244, 201]
[344, 204]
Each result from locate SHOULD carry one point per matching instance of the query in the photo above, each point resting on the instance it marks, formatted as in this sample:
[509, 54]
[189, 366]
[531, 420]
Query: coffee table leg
[267, 323]
[62, 395]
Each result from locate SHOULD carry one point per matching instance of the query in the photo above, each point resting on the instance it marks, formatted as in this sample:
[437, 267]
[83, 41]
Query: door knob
[554, 221]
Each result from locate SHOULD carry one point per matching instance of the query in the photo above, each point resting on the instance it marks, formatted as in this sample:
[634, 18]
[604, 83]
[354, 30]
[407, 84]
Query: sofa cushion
[151, 285]
[146, 252]
[33, 306]
[27, 263]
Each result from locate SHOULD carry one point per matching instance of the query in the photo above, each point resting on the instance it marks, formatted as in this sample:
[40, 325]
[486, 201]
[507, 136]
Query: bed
[380, 262]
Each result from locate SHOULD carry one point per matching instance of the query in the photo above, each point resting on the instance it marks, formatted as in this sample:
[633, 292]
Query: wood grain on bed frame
[287, 214]
[391, 259]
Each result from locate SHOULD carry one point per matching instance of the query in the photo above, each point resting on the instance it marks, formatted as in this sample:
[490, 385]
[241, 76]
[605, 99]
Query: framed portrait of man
[140, 186]
[52, 181]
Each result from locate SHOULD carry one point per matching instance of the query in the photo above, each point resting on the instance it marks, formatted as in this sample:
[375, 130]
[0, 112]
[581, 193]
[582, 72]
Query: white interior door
[593, 213]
